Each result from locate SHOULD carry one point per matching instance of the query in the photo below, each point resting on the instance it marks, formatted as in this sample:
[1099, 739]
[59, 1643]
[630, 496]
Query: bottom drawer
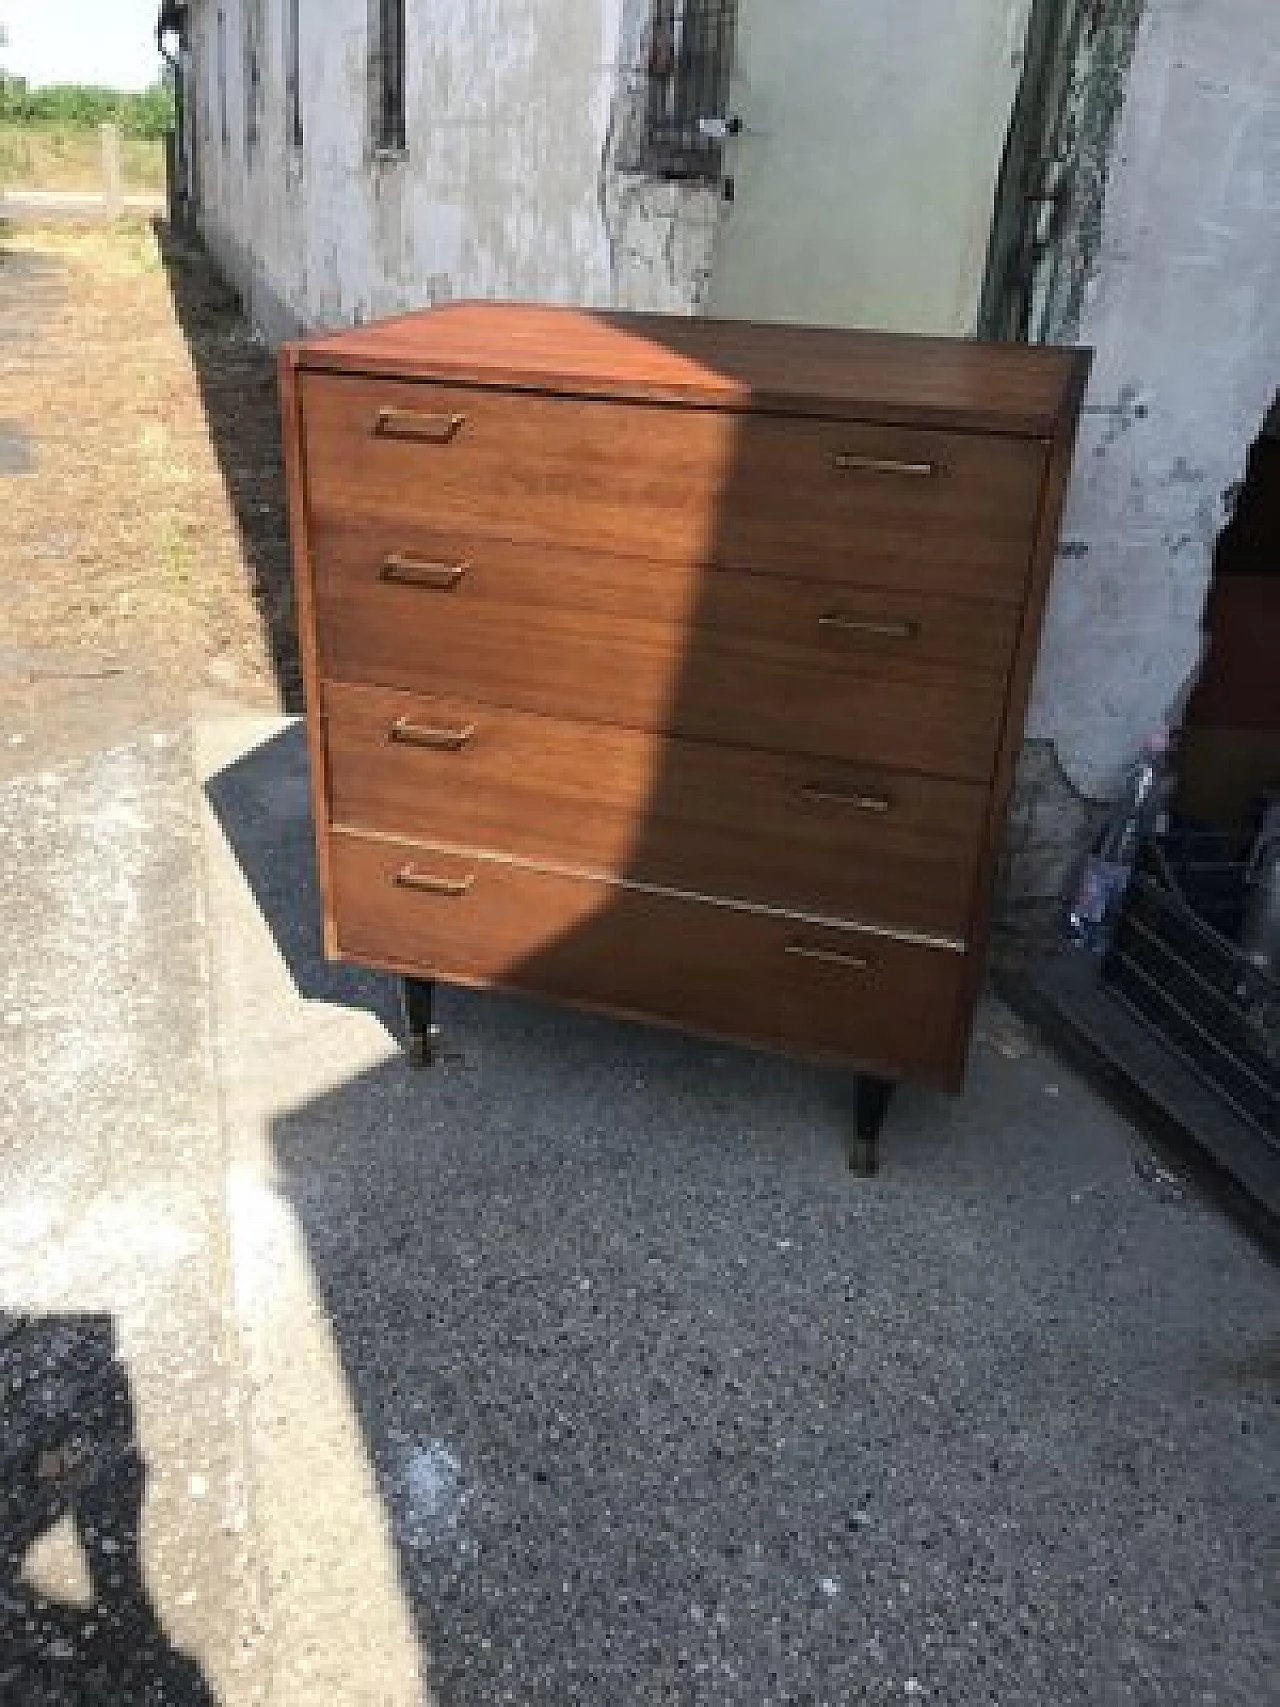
[764, 978]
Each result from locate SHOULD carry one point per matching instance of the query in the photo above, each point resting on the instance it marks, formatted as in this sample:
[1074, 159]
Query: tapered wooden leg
[422, 1034]
[873, 1104]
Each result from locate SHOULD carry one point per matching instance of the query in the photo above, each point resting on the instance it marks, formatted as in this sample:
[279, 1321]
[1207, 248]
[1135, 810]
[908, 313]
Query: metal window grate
[252, 26]
[223, 110]
[390, 75]
[293, 73]
[688, 61]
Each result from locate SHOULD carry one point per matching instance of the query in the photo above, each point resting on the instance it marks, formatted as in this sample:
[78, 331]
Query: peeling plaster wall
[506, 189]
[865, 180]
[1184, 313]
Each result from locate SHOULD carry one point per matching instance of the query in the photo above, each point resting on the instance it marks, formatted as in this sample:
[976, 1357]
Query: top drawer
[816, 499]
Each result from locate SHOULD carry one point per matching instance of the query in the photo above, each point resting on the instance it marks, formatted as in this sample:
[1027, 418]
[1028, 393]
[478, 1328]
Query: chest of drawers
[674, 668]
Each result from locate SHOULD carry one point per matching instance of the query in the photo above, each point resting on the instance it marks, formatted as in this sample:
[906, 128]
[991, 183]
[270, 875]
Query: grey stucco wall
[1184, 313]
[866, 170]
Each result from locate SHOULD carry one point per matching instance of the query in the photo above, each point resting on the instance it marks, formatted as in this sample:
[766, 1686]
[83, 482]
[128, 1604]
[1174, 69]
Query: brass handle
[411, 734]
[828, 956]
[883, 630]
[849, 462]
[831, 794]
[415, 572]
[413, 424]
[425, 884]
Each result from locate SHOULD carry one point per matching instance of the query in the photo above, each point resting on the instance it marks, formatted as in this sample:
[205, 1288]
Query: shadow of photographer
[79, 1626]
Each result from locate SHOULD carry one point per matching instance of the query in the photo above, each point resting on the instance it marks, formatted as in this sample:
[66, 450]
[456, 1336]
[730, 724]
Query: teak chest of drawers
[674, 668]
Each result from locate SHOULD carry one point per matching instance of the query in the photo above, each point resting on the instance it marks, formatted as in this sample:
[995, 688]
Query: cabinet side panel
[304, 615]
[1039, 577]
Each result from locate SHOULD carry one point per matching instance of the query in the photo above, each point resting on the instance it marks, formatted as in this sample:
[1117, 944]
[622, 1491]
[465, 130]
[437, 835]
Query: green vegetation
[142, 117]
[49, 137]
[60, 157]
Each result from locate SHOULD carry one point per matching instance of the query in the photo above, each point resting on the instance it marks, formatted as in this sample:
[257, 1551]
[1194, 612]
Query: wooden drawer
[891, 1006]
[370, 560]
[886, 848]
[831, 500]
[903, 681]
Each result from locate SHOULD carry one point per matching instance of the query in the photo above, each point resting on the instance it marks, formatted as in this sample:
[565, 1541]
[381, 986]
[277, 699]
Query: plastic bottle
[1105, 874]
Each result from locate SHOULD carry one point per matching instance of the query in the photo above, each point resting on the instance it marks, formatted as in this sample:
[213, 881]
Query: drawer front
[902, 681]
[888, 848]
[888, 1005]
[843, 501]
[379, 561]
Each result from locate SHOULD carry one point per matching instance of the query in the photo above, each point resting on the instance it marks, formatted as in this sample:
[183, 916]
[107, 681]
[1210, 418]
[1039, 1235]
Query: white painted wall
[865, 176]
[1184, 313]
[500, 193]
[865, 184]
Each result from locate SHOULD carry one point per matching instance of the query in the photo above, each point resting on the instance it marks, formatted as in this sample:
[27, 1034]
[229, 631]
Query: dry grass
[63, 157]
[123, 540]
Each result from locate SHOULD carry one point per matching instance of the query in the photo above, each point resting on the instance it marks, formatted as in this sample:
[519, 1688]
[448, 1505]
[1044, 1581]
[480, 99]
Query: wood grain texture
[1052, 500]
[879, 376]
[823, 699]
[859, 842]
[886, 1005]
[305, 610]
[707, 487]
[365, 558]
[706, 649]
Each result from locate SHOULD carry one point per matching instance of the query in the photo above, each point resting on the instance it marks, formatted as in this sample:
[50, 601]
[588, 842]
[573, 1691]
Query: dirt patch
[140, 532]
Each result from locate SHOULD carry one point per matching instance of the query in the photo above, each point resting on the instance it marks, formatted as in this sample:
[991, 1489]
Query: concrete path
[125, 1555]
[577, 1370]
[624, 1391]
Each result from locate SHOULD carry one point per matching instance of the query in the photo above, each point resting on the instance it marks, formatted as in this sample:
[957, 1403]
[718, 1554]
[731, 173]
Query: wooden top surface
[1004, 388]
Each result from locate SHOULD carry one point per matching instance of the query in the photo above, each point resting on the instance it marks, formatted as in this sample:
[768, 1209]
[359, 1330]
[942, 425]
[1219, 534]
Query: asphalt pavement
[578, 1368]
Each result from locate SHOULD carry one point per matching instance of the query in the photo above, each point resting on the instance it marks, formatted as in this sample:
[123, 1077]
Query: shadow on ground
[69, 1455]
[237, 378]
[262, 804]
[663, 1406]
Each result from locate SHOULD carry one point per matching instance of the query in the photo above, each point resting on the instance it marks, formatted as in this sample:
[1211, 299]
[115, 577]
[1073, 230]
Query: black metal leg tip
[864, 1157]
[422, 1034]
[422, 1048]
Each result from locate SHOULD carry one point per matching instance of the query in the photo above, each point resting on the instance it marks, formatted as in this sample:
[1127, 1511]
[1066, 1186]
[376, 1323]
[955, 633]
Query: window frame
[687, 63]
[387, 63]
[251, 32]
[224, 110]
[293, 126]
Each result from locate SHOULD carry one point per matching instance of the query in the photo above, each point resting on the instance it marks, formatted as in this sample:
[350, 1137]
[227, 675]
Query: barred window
[223, 112]
[387, 68]
[251, 24]
[688, 61]
[292, 75]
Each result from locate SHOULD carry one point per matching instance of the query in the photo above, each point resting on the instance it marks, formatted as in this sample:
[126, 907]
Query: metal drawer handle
[425, 884]
[862, 625]
[415, 572]
[410, 734]
[412, 424]
[831, 794]
[848, 462]
[829, 956]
